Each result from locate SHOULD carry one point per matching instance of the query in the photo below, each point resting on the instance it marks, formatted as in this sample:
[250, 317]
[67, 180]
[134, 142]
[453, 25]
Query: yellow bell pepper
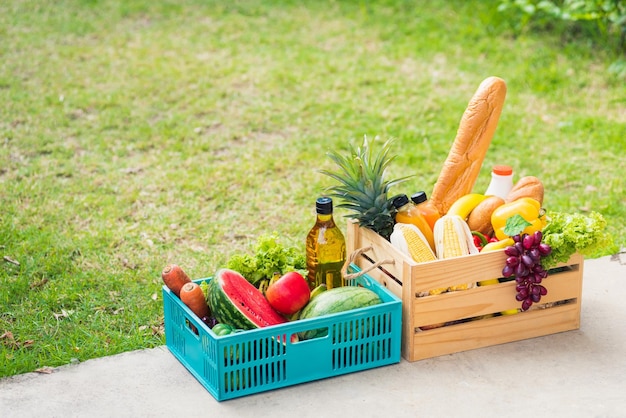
[528, 208]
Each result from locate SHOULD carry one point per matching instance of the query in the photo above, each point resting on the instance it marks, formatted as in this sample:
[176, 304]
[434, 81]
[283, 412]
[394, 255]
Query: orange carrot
[174, 278]
[192, 295]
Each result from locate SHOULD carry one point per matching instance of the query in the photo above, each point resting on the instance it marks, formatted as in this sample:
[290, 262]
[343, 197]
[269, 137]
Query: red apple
[288, 294]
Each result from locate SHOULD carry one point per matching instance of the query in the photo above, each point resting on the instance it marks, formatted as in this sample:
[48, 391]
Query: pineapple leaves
[362, 187]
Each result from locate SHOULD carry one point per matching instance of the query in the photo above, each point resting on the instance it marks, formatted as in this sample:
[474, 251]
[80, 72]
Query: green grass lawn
[136, 134]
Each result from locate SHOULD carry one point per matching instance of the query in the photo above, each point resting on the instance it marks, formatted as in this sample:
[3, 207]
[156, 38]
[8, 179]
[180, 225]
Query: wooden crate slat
[458, 270]
[492, 331]
[484, 300]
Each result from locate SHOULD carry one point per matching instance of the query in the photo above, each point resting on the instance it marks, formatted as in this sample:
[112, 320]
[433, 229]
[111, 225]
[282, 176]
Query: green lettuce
[269, 256]
[568, 233]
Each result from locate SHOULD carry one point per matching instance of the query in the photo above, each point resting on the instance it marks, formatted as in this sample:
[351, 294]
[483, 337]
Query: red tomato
[288, 294]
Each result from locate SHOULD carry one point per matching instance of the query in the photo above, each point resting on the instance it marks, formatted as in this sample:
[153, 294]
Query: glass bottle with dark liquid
[325, 248]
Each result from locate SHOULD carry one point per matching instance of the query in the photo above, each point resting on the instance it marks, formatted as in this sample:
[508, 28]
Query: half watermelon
[236, 302]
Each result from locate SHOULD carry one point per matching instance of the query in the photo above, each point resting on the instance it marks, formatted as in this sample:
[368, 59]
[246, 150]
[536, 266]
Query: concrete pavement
[578, 373]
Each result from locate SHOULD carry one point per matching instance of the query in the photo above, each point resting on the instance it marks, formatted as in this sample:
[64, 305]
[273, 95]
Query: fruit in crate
[466, 204]
[338, 299]
[233, 300]
[362, 187]
[289, 293]
[524, 263]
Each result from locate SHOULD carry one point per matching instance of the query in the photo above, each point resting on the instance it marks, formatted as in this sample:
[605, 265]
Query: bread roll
[480, 217]
[528, 186]
[477, 126]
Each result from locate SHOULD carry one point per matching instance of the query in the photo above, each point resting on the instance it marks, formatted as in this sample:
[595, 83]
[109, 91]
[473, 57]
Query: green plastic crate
[264, 359]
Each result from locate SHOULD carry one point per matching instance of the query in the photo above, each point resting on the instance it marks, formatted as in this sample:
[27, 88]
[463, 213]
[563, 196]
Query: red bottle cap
[502, 170]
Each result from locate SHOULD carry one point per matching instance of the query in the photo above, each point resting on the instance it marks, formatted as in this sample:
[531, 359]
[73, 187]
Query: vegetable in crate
[234, 352]
[480, 239]
[224, 329]
[409, 240]
[269, 256]
[362, 187]
[236, 302]
[174, 278]
[568, 233]
[192, 295]
[453, 238]
[505, 218]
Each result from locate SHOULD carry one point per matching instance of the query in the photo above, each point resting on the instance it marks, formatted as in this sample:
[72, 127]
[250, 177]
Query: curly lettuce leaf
[269, 256]
[568, 233]
[245, 264]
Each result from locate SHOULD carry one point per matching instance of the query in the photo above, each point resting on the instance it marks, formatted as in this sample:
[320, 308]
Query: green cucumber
[224, 329]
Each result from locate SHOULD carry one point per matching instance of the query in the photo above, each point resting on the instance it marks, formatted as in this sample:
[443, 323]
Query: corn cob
[453, 238]
[410, 240]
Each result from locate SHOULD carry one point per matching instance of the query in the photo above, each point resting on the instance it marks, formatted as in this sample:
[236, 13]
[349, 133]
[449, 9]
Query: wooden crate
[473, 315]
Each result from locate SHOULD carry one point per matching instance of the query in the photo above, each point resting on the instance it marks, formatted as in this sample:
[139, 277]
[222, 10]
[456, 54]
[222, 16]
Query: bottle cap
[419, 197]
[324, 205]
[400, 200]
[502, 170]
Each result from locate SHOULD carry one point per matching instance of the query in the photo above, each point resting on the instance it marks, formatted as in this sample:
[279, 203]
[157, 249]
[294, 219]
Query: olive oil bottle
[325, 248]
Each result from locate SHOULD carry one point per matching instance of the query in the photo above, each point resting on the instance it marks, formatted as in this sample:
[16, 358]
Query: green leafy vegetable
[568, 233]
[515, 225]
[269, 256]
[205, 289]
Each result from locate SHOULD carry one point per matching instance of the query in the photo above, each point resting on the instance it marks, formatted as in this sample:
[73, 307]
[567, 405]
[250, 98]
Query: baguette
[478, 124]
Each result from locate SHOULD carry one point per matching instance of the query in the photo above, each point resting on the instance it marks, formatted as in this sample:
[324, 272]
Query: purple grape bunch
[210, 321]
[524, 263]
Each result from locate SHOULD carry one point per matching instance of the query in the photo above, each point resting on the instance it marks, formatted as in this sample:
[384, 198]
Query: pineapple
[362, 188]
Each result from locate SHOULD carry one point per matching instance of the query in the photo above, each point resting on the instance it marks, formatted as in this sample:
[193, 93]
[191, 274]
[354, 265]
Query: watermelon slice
[236, 302]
